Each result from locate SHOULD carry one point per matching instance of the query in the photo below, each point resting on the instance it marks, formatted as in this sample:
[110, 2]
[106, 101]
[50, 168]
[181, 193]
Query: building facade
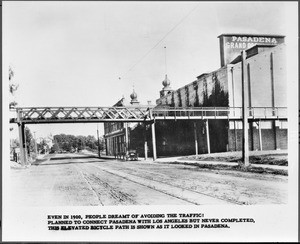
[123, 136]
[266, 77]
[267, 89]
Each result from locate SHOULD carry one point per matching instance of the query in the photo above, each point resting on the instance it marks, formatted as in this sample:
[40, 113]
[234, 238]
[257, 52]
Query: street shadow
[70, 157]
[52, 160]
[64, 163]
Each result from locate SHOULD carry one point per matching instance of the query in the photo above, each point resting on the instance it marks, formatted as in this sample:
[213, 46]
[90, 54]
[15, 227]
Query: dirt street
[76, 180]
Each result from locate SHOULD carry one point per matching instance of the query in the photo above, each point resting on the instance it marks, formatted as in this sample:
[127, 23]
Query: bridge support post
[207, 136]
[126, 138]
[146, 150]
[196, 139]
[153, 134]
[245, 111]
[145, 142]
[22, 142]
[153, 140]
[235, 135]
[106, 146]
[274, 134]
[259, 136]
[98, 140]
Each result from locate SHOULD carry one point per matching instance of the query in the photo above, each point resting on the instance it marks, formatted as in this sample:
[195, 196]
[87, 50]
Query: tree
[29, 141]
[12, 88]
[70, 143]
[91, 142]
[42, 146]
[81, 143]
[55, 148]
[15, 142]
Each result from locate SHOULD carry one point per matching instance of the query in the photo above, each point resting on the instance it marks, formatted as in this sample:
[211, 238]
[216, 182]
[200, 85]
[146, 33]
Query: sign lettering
[232, 45]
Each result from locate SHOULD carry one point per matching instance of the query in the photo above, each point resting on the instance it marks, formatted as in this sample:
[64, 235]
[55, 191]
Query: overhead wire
[151, 49]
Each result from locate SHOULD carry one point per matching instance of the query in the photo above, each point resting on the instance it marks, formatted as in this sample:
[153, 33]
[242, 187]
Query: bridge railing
[190, 112]
[268, 112]
[219, 112]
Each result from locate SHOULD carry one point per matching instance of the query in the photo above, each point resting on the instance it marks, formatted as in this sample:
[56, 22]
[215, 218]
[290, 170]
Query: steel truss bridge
[150, 114]
[36, 115]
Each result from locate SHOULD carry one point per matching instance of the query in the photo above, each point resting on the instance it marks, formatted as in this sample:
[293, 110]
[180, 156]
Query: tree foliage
[29, 141]
[12, 87]
[43, 146]
[218, 97]
[71, 143]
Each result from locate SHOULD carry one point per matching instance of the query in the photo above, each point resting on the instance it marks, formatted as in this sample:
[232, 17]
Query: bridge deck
[140, 114]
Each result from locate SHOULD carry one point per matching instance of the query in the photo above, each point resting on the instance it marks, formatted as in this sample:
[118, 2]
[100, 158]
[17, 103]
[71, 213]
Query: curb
[217, 163]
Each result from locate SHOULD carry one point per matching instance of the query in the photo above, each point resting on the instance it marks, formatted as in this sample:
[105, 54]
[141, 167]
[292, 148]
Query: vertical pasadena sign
[231, 45]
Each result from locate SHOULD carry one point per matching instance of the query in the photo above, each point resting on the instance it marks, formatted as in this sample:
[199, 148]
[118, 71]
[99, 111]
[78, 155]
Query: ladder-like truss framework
[36, 115]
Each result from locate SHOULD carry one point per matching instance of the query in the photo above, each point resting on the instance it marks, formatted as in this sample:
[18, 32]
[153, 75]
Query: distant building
[123, 136]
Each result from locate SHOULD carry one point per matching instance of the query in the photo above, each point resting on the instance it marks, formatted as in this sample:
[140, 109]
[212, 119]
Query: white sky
[73, 53]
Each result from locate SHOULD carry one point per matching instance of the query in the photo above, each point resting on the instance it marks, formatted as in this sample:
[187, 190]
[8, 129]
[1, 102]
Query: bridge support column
[207, 136]
[235, 136]
[259, 136]
[22, 142]
[275, 135]
[153, 141]
[146, 150]
[126, 137]
[145, 142]
[196, 139]
[98, 140]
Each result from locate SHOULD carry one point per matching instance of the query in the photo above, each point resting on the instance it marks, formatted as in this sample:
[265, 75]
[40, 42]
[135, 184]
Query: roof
[200, 76]
[251, 52]
[120, 103]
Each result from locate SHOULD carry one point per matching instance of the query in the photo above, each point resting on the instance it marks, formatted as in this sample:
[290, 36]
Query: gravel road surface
[77, 180]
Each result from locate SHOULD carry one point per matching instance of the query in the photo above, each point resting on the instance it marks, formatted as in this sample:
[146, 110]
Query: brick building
[266, 77]
[123, 136]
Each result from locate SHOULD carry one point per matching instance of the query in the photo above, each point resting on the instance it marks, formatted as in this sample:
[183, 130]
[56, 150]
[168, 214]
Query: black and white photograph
[150, 121]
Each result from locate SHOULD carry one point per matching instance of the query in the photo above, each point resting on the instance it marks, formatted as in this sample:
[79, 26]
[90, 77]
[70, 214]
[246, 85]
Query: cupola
[166, 89]
[133, 97]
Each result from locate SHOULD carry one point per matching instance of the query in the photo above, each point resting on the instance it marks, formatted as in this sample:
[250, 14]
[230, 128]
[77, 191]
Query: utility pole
[245, 111]
[98, 142]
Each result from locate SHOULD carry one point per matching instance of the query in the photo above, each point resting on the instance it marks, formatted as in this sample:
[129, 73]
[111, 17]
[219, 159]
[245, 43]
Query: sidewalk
[179, 160]
[182, 160]
[40, 158]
